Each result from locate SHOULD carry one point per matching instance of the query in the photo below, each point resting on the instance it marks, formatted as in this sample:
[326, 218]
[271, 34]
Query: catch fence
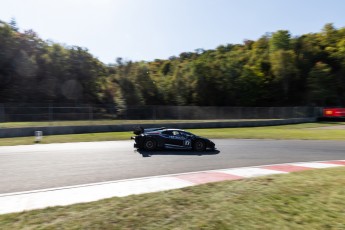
[60, 112]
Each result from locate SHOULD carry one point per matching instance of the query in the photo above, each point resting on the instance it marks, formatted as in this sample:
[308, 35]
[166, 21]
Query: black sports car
[163, 138]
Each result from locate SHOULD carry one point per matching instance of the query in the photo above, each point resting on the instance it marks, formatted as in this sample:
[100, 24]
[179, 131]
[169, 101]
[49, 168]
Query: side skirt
[168, 146]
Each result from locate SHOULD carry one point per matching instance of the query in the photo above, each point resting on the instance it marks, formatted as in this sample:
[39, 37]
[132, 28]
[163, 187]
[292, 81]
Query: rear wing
[139, 130]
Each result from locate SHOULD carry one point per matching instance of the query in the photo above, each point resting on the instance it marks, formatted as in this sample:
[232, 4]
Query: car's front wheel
[199, 145]
[150, 144]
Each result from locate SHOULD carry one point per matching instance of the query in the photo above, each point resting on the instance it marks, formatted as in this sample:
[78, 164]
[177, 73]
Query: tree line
[275, 70]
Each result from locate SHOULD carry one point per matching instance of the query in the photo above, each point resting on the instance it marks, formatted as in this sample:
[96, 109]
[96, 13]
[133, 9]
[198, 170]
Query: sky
[157, 29]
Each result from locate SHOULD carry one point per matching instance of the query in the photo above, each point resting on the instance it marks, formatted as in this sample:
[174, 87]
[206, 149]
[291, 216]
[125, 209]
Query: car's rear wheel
[150, 144]
[199, 145]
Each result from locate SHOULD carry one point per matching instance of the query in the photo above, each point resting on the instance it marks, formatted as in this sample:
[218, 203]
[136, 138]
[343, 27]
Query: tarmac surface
[43, 166]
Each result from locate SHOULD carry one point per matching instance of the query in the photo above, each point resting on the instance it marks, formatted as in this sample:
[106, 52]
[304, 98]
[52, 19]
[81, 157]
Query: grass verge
[312, 199]
[299, 131]
[307, 131]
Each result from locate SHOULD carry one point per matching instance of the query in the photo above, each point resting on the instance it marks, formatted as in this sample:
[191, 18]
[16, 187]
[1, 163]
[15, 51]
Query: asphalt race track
[33, 167]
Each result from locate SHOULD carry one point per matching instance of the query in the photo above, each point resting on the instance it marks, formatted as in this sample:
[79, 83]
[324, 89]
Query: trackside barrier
[57, 130]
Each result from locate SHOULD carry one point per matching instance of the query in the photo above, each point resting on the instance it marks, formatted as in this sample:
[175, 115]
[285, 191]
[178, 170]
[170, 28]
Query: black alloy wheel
[150, 144]
[199, 145]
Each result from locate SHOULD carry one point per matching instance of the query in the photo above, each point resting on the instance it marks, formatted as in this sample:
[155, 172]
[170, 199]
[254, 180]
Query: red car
[334, 112]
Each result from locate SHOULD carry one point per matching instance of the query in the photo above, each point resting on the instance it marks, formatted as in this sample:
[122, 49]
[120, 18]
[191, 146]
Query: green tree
[280, 40]
[321, 85]
[274, 70]
[284, 68]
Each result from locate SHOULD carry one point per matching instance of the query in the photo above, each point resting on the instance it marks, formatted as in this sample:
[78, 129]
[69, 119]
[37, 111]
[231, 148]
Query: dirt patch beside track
[339, 127]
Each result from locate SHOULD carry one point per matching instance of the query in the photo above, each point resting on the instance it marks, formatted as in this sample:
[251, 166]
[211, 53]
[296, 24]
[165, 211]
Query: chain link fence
[61, 112]
[210, 112]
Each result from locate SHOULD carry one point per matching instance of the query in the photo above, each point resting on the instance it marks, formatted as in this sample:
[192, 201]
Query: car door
[168, 137]
[174, 139]
[187, 139]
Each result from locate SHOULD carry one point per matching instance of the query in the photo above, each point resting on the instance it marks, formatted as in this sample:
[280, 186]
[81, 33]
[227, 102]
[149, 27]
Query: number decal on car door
[187, 143]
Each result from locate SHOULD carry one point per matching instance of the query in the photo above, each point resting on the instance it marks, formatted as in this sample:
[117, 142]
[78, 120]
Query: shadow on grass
[146, 153]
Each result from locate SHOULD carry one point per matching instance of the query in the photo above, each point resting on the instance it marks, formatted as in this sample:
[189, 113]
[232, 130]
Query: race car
[163, 138]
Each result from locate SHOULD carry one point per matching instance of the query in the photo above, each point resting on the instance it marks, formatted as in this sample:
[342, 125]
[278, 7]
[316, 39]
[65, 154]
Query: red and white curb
[29, 200]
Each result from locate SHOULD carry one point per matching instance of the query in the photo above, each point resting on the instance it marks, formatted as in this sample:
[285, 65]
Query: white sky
[149, 29]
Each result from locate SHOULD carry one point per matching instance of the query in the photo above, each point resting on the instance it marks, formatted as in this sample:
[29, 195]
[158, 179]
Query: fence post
[154, 113]
[90, 113]
[50, 115]
[317, 112]
[240, 112]
[2, 113]
[294, 115]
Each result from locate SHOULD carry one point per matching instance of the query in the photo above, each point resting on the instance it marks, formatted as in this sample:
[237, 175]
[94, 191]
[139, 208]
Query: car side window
[176, 133]
[169, 133]
[186, 134]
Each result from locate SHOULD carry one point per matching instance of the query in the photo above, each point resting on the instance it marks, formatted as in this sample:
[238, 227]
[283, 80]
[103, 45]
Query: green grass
[283, 132]
[299, 131]
[312, 199]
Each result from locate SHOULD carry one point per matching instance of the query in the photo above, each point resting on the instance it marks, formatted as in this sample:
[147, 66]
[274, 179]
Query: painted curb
[37, 199]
